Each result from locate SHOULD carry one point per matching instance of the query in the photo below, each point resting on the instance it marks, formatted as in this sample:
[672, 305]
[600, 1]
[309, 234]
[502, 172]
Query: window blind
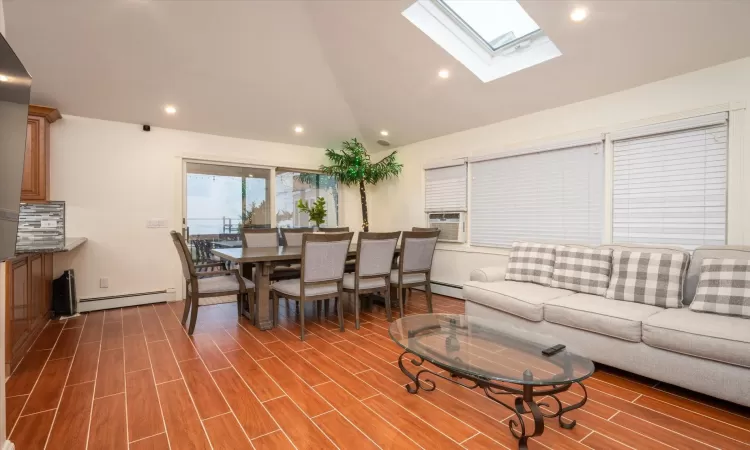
[553, 196]
[671, 188]
[445, 188]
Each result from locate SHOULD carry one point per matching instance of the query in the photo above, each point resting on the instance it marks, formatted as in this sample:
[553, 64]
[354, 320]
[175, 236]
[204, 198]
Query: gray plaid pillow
[582, 269]
[531, 262]
[650, 278]
[723, 287]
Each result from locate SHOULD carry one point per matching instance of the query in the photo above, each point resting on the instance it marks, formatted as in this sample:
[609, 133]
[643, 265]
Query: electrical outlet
[103, 283]
[156, 223]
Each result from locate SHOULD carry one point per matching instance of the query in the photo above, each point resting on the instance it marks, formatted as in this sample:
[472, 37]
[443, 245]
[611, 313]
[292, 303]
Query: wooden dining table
[263, 259]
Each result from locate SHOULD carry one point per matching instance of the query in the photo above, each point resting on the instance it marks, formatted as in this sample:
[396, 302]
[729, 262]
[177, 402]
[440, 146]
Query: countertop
[71, 243]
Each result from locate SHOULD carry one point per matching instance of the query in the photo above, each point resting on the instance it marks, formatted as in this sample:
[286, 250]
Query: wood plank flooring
[133, 379]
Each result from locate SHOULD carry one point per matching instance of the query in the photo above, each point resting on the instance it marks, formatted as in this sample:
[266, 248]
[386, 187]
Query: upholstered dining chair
[414, 265]
[293, 236]
[259, 237]
[322, 272]
[209, 284]
[372, 269]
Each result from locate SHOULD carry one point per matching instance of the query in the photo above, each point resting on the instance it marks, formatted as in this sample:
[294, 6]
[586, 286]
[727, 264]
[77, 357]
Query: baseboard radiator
[447, 289]
[120, 301]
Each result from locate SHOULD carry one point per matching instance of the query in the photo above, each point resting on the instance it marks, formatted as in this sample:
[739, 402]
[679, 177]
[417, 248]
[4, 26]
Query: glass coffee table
[481, 354]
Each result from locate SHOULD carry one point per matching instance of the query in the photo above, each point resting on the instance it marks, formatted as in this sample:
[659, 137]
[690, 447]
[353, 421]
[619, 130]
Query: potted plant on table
[317, 212]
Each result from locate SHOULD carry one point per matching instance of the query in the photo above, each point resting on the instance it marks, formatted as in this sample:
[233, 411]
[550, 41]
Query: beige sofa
[704, 352]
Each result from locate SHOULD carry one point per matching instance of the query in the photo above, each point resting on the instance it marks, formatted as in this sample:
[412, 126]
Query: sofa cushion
[531, 262]
[582, 269]
[621, 320]
[724, 287]
[709, 336]
[520, 299]
[648, 277]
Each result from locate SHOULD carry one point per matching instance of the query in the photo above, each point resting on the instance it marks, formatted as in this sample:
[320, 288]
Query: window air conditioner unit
[450, 224]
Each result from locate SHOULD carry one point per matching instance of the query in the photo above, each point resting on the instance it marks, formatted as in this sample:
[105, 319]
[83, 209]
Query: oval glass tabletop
[482, 348]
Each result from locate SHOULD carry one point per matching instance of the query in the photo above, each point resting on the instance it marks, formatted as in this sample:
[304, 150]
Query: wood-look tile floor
[132, 378]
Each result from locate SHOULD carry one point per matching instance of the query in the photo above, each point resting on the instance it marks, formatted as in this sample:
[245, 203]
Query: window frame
[339, 211]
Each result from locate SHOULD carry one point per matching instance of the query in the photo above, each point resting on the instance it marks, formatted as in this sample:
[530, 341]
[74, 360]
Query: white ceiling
[254, 69]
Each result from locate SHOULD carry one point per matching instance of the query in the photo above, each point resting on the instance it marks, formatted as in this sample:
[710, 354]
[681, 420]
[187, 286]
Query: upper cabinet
[35, 185]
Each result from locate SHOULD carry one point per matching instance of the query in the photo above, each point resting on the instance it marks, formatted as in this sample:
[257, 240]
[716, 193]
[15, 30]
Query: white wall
[3, 431]
[114, 177]
[400, 204]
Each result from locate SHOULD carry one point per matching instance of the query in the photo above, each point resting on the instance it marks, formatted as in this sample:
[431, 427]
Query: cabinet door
[35, 175]
[19, 306]
[37, 291]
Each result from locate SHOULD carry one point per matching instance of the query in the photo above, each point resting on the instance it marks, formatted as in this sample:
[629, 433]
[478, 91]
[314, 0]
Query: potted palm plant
[317, 212]
[352, 166]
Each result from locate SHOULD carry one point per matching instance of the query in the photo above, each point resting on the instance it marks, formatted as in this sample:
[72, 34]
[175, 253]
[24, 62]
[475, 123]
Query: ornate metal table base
[523, 403]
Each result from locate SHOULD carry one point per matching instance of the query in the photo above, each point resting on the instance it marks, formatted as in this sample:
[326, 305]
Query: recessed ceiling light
[169, 109]
[4, 78]
[298, 129]
[578, 14]
[384, 133]
[444, 73]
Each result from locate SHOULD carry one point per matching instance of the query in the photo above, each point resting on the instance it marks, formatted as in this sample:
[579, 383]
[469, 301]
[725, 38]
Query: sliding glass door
[221, 199]
[293, 186]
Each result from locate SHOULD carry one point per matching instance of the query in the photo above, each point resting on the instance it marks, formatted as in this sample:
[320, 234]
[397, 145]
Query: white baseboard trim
[96, 304]
[7, 445]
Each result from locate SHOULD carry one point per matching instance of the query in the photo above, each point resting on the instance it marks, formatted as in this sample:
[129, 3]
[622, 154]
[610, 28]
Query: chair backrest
[188, 268]
[324, 256]
[425, 229]
[293, 236]
[417, 249]
[335, 230]
[375, 253]
[259, 237]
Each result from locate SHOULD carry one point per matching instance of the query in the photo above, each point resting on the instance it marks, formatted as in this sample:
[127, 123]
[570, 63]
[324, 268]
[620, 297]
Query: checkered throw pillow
[723, 287]
[582, 269]
[650, 278]
[531, 262]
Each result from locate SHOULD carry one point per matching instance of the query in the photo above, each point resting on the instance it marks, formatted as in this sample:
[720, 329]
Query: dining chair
[259, 237]
[372, 269]
[209, 284]
[322, 273]
[334, 230]
[415, 265]
[293, 236]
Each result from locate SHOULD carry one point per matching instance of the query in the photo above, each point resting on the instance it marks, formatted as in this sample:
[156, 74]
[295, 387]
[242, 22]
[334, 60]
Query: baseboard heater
[448, 289]
[120, 301]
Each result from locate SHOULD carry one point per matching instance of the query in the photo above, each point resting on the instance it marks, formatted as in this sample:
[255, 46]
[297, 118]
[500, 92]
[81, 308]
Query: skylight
[497, 23]
[492, 38]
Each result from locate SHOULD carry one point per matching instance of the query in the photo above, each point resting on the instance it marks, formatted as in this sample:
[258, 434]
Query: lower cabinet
[29, 302]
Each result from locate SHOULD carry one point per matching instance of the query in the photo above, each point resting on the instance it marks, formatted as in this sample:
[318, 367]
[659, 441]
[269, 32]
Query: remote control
[553, 350]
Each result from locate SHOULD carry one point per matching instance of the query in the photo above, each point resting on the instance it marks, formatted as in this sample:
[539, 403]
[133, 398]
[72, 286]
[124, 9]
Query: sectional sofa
[704, 352]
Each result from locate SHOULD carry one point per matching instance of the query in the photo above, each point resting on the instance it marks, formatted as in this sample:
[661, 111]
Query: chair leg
[240, 297]
[356, 309]
[428, 294]
[388, 304]
[341, 314]
[317, 308]
[275, 300]
[326, 307]
[251, 305]
[401, 300]
[193, 314]
[188, 301]
[301, 321]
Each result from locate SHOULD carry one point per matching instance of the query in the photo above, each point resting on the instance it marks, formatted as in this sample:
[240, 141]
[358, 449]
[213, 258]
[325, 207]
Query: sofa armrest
[487, 274]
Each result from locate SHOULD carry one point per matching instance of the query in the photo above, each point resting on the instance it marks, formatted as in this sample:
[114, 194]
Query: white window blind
[671, 188]
[445, 188]
[553, 196]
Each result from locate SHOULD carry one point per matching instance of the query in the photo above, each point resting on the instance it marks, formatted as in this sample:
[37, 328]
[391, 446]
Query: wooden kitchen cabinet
[28, 303]
[35, 184]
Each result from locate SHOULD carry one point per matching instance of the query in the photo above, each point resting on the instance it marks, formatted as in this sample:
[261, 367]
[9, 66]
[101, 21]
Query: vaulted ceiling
[341, 68]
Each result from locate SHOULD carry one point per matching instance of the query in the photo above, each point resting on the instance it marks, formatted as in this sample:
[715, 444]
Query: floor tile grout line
[67, 376]
[636, 399]
[125, 379]
[35, 413]
[31, 392]
[31, 349]
[147, 437]
[698, 402]
[153, 375]
[470, 438]
[680, 434]
[219, 415]
[613, 415]
[584, 438]
[190, 394]
[707, 430]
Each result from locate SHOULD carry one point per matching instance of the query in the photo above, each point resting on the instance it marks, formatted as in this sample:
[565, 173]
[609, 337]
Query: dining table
[263, 259]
